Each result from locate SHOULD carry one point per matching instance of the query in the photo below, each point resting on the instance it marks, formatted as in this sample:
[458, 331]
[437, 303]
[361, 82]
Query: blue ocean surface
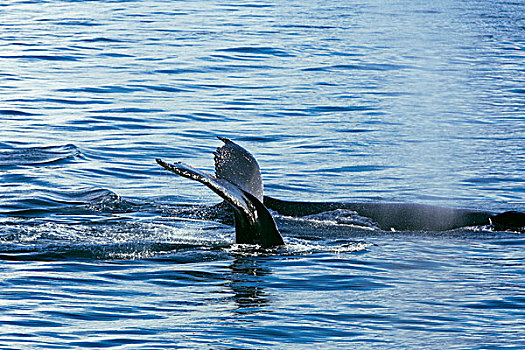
[350, 101]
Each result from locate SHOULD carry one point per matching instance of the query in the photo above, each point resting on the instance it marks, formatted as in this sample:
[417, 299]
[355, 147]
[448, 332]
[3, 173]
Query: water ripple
[14, 112]
[362, 66]
[43, 57]
[419, 102]
[37, 155]
[270, 51]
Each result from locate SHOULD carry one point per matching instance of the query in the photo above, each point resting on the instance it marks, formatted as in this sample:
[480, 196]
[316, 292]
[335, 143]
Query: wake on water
[93, 223]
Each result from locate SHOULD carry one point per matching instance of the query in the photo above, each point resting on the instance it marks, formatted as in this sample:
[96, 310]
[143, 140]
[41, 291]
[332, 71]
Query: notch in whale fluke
[238, 181]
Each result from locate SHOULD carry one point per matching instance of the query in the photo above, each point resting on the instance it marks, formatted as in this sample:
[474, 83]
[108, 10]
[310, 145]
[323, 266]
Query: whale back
[237, 166]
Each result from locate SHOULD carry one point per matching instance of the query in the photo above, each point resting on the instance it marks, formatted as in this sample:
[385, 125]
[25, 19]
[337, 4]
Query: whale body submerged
[238, 181]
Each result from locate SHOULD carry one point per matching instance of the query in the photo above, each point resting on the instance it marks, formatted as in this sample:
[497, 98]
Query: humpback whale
[238, 181]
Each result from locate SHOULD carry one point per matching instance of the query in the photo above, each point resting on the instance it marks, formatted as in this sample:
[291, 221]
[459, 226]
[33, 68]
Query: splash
[121, 240]
[338, 217]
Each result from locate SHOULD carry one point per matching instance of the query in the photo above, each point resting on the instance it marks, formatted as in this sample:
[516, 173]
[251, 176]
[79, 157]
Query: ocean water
[395, 101]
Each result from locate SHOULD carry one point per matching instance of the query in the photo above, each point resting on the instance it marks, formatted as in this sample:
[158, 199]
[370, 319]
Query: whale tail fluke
[237, 181]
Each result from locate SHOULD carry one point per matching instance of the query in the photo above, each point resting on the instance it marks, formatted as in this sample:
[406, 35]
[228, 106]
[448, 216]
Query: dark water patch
[346, 54]
[14, 112]
[517, 242]
[267, 51]
[234, 58]
[363, 67]
[491, 180]
[250, 5]
[512, 305]
[170, 13]
[355, 131]
[329, 109]
[80, 102]
[57, 58]
[38, 155]
[35, 206]
[89, 125]
[292, 113]
[102, 314]
[128, 110]
[122, 172]
[115, 118]
[115, 55]
[333, 283]
[7, 76]
[69, 21]
[305, 26]
[238, 68]
[32, 323]
[182, 278]
[264, 139]
[206, 117]
[101, 40]
[110, 343]
[109, 89]
[179, 71]
[387, 93]
[162, 88]
[356, 168]
[236, 87]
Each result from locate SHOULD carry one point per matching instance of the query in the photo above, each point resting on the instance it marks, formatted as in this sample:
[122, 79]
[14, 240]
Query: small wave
[354, 130]
[102, 200]
[351, 169]
[38, 155]
[14, 112]
[115, 55]
[161, 88]
[71, 22]
[100, 40]
[254, 5]
[43, 57]
[75, 101]
[108, 89]
[305, 26]
[328, 109]
[179, 71]
[267, 51]
[363, 66]
[71, 206]
[333, 109]
[128, 110]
